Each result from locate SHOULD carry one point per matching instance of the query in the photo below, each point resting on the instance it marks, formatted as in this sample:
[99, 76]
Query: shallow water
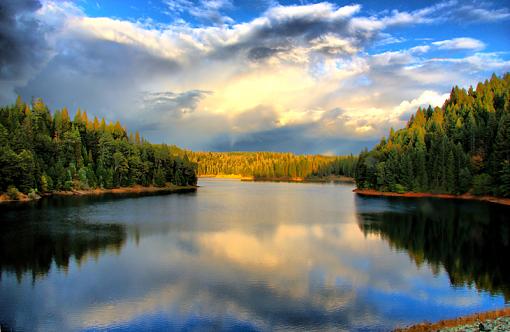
[249, 256]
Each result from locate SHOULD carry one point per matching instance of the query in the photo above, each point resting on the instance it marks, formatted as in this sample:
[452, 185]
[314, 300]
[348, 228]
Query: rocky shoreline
[496, 320]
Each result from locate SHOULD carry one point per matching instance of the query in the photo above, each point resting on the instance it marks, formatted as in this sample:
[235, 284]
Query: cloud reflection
[259, 256]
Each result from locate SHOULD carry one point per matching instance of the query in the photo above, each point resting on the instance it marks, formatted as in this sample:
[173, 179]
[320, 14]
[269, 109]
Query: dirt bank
[323, 179]
[492, 199]
[99, 191]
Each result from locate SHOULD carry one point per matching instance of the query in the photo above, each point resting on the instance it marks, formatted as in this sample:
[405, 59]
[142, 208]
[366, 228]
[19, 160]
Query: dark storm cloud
[288, 138]
[22, 42]
[303, 27]
[259, 53]
[257, 117]
[304, 138]
[100, 76]
[282, 31]
[294, 139]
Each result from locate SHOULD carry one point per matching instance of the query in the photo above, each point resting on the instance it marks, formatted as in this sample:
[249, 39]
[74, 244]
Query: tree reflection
[33, 246]
[471, 241]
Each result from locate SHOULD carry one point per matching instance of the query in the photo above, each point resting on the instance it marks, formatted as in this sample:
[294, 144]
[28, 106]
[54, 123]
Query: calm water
[249, 256]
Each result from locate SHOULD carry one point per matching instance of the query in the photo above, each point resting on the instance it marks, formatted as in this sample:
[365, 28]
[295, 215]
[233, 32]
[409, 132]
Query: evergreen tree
[45, 152]
[463, 146]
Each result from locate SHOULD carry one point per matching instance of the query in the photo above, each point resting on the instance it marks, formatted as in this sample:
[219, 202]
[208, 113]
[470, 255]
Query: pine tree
[463, 146]
[451, 183]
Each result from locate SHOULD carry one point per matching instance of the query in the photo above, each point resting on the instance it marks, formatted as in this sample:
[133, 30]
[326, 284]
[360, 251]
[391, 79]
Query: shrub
[46, 183]
[482, 184]
[464, 180]
[13, 193]
[33, 194]
[398, 188]
[68, 185]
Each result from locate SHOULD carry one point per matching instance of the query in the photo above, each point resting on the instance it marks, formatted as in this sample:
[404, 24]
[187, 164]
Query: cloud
[290, 139]
[285, 30]
[326, 132]
[478, 62]
[21, 32]
[306, 75]
[428, 97]
[464, 43]
[103, 77]
[472, 12]
[176, 103]
[465, 12]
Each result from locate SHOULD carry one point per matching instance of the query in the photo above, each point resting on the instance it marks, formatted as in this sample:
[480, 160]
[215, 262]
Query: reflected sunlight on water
[249, 256]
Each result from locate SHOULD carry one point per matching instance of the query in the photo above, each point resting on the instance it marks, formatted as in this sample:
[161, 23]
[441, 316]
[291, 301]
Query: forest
[273, 165]
[463, 146]
[43, 152]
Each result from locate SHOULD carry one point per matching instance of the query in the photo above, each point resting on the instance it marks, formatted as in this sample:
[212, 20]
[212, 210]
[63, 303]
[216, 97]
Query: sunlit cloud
[233, 83]
[460, 44]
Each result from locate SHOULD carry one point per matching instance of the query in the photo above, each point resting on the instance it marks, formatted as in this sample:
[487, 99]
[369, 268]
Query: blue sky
[301, 76]
[496, 36]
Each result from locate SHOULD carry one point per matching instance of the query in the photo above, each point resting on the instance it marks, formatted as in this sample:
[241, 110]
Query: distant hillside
[272, 165]
[461, 147]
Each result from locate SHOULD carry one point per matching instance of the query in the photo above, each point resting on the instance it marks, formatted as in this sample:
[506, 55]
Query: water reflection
[31, 240]
[471, 241]
[234, 256]
[235, 278]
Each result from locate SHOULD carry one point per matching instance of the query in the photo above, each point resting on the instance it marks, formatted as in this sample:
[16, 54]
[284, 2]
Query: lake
[249, 256]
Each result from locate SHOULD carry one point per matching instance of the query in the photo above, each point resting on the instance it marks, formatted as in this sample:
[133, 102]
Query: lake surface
[249, 256]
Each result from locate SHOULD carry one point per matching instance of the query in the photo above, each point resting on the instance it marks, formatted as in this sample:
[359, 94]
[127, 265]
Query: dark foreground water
[249, 256]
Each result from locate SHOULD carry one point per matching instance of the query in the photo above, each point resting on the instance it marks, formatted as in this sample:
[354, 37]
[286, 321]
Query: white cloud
[419, 49]
[322, 10]
[463, 43]
[428, 97]
[286, 71]
[472, 12]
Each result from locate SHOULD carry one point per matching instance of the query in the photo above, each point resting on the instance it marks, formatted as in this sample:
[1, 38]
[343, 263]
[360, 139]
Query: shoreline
[327, 179]
[226, 176]
[477, 318]
[467, 197]
[135, 190]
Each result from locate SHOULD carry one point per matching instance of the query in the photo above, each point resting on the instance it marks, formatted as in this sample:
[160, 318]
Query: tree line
[44, 152]
[463, 146]
[272, 165]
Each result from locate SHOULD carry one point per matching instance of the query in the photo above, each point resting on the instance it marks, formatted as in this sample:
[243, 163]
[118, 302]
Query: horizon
[305, 77]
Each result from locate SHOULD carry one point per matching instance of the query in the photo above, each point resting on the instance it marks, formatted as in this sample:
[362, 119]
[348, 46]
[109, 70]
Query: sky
[251, 75]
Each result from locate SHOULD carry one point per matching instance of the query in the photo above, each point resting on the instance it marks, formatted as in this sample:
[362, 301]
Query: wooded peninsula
[42, 153]
[461, 147]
